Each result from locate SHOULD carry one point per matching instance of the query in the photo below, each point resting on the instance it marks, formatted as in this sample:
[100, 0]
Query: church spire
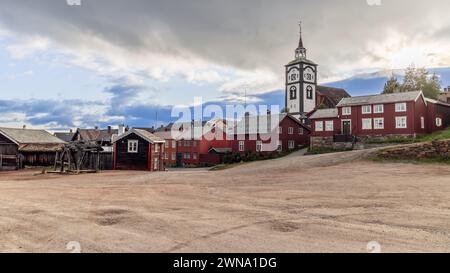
[300, 52]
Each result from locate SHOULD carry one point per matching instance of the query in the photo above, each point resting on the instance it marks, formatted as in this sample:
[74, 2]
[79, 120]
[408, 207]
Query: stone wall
[418, 151]
[328, 142]
[322, 142]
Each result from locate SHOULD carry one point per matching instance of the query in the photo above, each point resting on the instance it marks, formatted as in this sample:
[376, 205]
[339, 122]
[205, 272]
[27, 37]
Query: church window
[293, 93]
[309, 92]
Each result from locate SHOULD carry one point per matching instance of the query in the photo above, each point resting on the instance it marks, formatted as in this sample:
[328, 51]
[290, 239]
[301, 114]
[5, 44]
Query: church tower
[301, 82]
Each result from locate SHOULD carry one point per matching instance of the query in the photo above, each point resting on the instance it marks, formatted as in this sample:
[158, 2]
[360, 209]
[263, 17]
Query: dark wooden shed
[25, 147]
[138, 150]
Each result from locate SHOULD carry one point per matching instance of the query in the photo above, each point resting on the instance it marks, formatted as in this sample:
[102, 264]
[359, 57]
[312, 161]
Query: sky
[106, 62]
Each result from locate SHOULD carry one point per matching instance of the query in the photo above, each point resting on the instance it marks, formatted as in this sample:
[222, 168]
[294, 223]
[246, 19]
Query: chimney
[96, 127]
[269, 112]
[24, 127]
[109, 129]
[121, 129]
[71, 131]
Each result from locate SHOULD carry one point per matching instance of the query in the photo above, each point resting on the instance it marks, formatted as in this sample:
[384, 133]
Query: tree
[416, 79]
[391, 86]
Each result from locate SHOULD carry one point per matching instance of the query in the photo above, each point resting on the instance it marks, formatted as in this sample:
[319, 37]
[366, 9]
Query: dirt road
[324, 203]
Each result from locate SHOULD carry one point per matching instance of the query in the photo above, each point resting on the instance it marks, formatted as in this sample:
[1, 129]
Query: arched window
[293, 93]
[309, 92]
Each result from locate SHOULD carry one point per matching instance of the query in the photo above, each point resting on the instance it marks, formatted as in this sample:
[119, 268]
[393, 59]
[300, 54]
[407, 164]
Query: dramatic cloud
[230, 46]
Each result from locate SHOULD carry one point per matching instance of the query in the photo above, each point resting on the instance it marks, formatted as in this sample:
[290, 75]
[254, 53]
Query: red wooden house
[138, 149]
[400, 114]
[267, 134]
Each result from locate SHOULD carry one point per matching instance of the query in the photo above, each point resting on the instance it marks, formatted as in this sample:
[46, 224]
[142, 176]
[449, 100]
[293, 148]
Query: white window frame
[376, 123]
[439, 122]
[422, 122]
[378, 111]
[241, 146]
[291, 130]
[291, 144]
[397, 119]
[362, 124]
[133, 146]
[259, 146]
[329, 128]
[301, 131]
[346, 111]
[318, 128]
[166, 155]
[166, 144]
[280, 130]
[366, 109]
[194, 156]
[173, 156]
[400, 107]
[174, 144]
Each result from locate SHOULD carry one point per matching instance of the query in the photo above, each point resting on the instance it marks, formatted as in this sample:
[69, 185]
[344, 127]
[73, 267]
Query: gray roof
[379, 99]
[264, 124]
[325, 113]
[436, 102]
[142, 133]
[28, 136]
[67, 137]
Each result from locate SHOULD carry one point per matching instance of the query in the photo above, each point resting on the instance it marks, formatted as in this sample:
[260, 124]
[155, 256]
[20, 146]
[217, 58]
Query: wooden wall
[132, 161]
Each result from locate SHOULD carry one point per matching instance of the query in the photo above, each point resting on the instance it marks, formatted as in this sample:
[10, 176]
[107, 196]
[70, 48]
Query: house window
[378, 109]
[291, 144]
[346, 111]
[291, 130]
[367, 109]
[258, 146]
[400, 107]
[329, 126]
[174, 156]
[400, 123]
[301, 131]
[166, 144]
[180, 143]
[422, 122]
[241, 146]
[319, 126]
[187, 143]
[133, 146]
[194, 156]
[280, 130]
[378, 123]
[438, 122]
[280, 146]
[174, 144]
[166, 155]
[194, 143]
[367, 124]
[187, 156]
[293, 93]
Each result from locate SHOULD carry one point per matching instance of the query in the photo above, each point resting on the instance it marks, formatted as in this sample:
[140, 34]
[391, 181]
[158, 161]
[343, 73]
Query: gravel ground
[320, 203]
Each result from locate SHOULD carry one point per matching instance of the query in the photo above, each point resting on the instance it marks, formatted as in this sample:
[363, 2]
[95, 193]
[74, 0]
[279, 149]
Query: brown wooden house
[138, 149]
[24, 147]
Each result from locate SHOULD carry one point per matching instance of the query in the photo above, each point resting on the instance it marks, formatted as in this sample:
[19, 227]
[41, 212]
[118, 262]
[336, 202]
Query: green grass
[444, 134]
[391, 139]
[316, 151]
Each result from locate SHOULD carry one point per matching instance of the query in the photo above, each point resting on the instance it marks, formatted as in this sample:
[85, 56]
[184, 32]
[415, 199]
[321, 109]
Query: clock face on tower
[309, 75]
[293, 75]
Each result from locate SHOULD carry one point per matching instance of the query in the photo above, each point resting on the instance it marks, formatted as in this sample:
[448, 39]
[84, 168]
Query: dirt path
[320, 203]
